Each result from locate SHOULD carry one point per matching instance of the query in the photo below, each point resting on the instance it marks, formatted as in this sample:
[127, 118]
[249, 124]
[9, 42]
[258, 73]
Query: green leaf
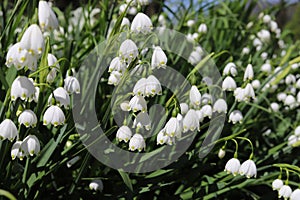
[7, 194]
[126, 179]
[158, 173]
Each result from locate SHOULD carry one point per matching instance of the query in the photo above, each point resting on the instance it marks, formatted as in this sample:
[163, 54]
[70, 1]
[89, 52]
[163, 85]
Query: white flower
[239, 94]
[54, 115]
[152, 86]
[114, 78]
[228, 84]
[248, 168]
[27, 118]
[173, 128]
[295, 195]
[191, 121]
[61, 97]
[281, 96]
[235, 116]
[245, 51]
[249, 74]
[285, 192]
[125, 22]
[33, 40]
[137, 142]
[292, 140]
[51, 75]
[117, 65]
[206, 111]
[31, 145]
[220, 106]
[264, 55]
[71, 84]
[190, 23]
[249, 92]
[230, 69]
[221, 153]
[138, 103]
[196, 56]
[264, 36]
[141, 23]
[290, 101]
[202, 28]
[266, 19]
[255, 84]
[52, 61]
[125, 106]
[124, 134]
[8, 130]
[184, 108]
[162, 138]
[206, 99]
[274, 106]
[296, 131]
[232, 166]
[142, 120]
[96, 185]
[290, 79]
[22, 88]
[47, 18]
[159, 58]
[195, 96]
[16, 151]
[266, 67]
[200, 115]
[128, 51]
[277, 184]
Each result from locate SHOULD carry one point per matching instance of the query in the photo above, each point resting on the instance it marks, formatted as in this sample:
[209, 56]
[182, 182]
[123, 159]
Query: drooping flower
[230, 69]
[33, 40]
[47, 18]
[195, 96]
[173, 128]
[264, 36]
[124, 134]
[137, 142]
[248, 168]
[274, 106]
[196, 56]
[202, 28]
[295, 195]
[141, 23]
[232, 166]
[138, 103]
[163, 138]
[239, 94]
[153, 86]
[221, 153]
[54, 115]
[277, 184]
[114, 78]
[249, 92]
[142, 120]
[285, 192]
[71, 84]
[96, 185]
[184, 108]
[249, 74]
[191, 121]
[206, 111]
[8, 130]
[128, 51]
[206, 99]
[220, 106]
[117, 65]
[31, 145]
[27, 118]
[159, 58]
[22, 88]
[228, 84]
[16, 151]
[61, 97]
[235, 116]
[125, 106]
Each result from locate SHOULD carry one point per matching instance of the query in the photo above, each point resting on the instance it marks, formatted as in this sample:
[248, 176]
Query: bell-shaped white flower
[190, 23]
[142, 120]
[295, 195]
[163, 138]
[141, 23]
[200, 115]
[277, 184]
[47, 18]
[207, 111]
[16, 151]
[140, 87]
[274, 106]
[33, 40]
[54, 115]
[173, 127]
[128, 51]
[114, 78]
[138, 103]
[220, 106]
[248, 168]
[235, 116]
[285, 192]
[292, 140]
[255, 84]
[117, 65]
[297, 131]
[249, 92]
[159, 58]
[124, 134]
[137, 142]
[125, 106]
[61, 97]
[196, 56]
[232, 166]
[22, 88]
[228, 84]
[191, 121]
[96, 185]
[153, 86]
[245, 51]
[71, 84]
[28, 118]
[51, 75]
[184, 108]
[8, 130]
[195, 96]
[206, 99]
[266, 19]
[239, 94]
[264, 35]
[290, 79]
[266, 67]
[230, 69]
[281, 96]
[31, 145]
[202, 28]
[221, 153]
[249, 74]
[290, 101]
